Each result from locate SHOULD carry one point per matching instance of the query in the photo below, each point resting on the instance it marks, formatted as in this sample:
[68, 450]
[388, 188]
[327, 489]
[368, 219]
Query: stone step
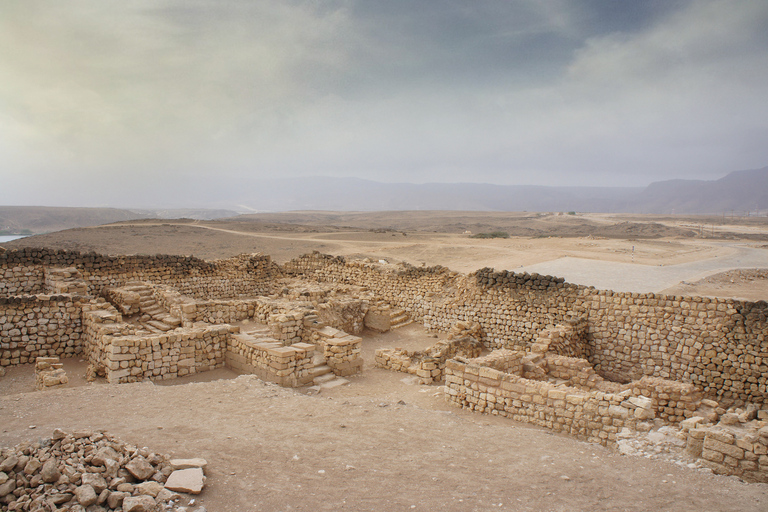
[400, 324]
[317, 388]
[324, 369]
[322, 379]
[155, 311]
[159, 325]
[171, 320]
[136, 288]
[399, 316]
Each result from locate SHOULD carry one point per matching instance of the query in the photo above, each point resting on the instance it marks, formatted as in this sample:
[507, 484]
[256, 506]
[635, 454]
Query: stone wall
[122, 352]
[20, 279]
[428, 365]
[719, 345]
[289, 366]
[728, 451]
[39, 326]
[341, 350]
[164, 356]
[495, 385]
[245, 275]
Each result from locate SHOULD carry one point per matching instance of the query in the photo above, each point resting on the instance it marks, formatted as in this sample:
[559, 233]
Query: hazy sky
[121, 102]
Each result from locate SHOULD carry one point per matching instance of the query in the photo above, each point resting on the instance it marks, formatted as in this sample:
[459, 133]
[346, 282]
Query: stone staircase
[154, 317]
[324, 378]
[398, 318]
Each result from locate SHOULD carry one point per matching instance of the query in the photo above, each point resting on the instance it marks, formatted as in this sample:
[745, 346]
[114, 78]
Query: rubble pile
[93, 471]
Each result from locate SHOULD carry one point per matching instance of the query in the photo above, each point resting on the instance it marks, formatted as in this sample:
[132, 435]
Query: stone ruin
[595, 364]
[49, 372]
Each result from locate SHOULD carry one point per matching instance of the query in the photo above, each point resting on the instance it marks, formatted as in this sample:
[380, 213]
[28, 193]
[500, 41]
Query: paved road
[633, 277]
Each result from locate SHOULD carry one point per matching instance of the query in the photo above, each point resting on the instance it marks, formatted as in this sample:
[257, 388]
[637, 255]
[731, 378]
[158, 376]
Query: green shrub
[494, 234]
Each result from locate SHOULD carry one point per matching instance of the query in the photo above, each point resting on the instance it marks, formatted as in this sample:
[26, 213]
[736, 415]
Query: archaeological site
[594, 364]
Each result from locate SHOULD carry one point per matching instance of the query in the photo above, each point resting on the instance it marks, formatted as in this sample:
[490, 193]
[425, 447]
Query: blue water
[8, 238]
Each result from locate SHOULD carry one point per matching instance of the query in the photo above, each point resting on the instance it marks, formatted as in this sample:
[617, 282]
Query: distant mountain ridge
[736, 193]
[45, 219]
[739, 191]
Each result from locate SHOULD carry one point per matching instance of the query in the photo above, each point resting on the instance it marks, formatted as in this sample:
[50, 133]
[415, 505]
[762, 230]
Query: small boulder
[139, 504]
[9, 463]
[116, 498]
[8, 487]
[94, 480]
[50, 472]
[31, 467]
[149, 488]
[85, 495]
[140, 468]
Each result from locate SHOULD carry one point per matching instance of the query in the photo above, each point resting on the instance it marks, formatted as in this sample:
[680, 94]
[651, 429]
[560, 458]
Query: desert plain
[384, 442]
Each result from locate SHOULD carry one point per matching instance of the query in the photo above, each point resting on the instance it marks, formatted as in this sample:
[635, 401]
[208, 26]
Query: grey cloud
[192, 95]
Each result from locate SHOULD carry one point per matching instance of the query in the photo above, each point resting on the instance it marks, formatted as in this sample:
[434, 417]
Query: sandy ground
[621, 253]
[383, 442]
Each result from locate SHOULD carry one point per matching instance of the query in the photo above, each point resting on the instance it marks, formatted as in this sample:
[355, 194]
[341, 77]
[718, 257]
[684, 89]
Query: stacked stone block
[287, 327]
[270, 360]
[428, 365]
[592, 416]
[165, 356]
[342, 351]
[39, 326]
[718, 345]
[49, 372]
[731, 451]
[229, 278]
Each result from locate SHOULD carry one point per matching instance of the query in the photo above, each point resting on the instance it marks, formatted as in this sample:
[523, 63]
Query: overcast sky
[122, 102]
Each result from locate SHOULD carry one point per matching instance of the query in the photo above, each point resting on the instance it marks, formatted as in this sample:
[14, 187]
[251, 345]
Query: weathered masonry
[718, 345]
[574, 359]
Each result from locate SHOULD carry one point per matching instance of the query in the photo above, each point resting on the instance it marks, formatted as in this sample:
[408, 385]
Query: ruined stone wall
[289, 366]
[719, 345]
[39, 326]
[20, 279]
[405, 286]
[729, 451]
[101, 321]
[428, 365]
[494, 385]
[122, 353]
[164, 356]
[246, 275]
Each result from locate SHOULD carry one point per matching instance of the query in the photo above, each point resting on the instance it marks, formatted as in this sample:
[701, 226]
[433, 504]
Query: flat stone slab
[186, 480]
[188, 463]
